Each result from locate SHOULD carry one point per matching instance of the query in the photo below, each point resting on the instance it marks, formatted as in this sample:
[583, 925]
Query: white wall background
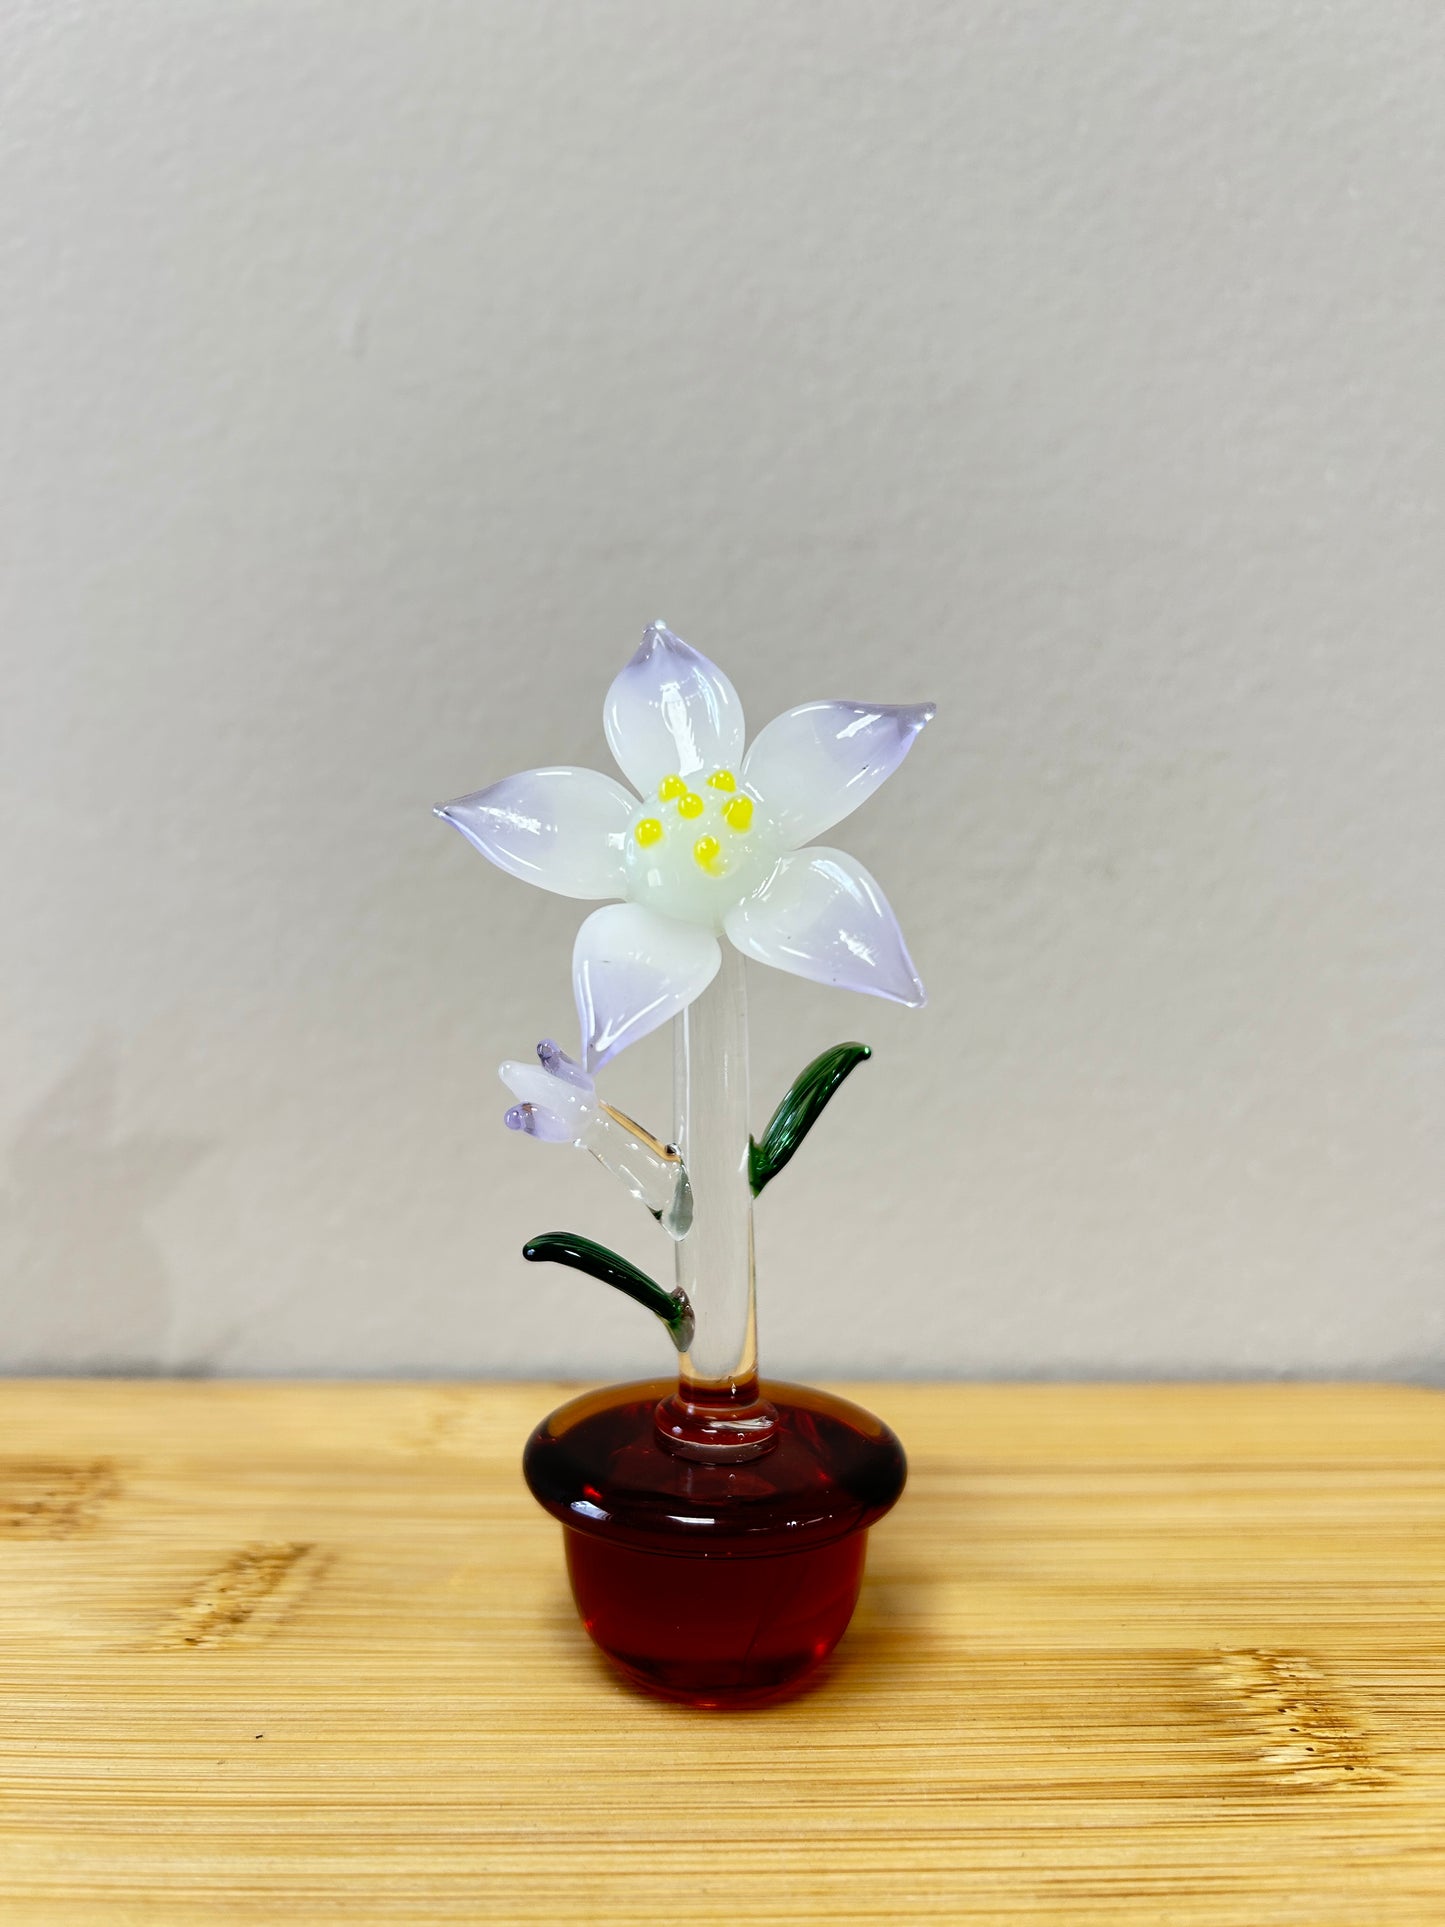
[369, 377]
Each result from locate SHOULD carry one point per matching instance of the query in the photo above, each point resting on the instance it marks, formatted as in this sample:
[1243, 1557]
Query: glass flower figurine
[715, 1526]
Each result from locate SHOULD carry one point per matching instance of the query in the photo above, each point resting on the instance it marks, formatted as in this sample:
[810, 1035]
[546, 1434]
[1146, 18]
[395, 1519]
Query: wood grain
[298, 1653]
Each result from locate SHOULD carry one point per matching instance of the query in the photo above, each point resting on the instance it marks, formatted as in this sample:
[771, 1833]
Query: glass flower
[557, 1100]
[557, 1103]
[710, 845]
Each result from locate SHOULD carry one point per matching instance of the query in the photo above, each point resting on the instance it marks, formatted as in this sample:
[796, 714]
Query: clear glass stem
[715, 1259]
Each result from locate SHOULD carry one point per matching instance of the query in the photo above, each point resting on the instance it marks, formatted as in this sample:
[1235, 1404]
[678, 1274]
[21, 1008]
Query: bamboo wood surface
[304, 1653]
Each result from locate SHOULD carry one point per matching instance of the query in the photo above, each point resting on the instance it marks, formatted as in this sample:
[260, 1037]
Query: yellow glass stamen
[722, 779]
[689, 804]
[738, 812]
[648, 832]
[670, 788]
[707, 850]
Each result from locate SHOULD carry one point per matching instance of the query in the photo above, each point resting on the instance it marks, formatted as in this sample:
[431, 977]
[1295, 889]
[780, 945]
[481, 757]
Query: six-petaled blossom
[711, 845]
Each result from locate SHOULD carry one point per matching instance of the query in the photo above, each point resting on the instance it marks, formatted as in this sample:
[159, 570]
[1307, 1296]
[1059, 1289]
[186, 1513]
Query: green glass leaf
[582, 1254]
[800, 1110]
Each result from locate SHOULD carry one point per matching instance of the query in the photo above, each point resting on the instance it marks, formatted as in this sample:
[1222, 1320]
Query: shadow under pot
[714, 1563]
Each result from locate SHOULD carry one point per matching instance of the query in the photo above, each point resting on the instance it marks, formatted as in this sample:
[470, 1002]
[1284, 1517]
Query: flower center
[731, 810]
[698, 834]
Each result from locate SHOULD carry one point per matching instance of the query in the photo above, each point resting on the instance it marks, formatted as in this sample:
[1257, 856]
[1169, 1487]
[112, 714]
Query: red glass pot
[715, 1542]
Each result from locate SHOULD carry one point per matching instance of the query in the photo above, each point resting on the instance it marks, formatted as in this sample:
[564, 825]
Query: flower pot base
[715, 1632]
[724, 1585]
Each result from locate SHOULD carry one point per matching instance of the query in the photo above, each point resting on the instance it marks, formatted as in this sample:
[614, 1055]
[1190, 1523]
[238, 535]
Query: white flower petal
[555, 1061]
[821, 915]
[548, 1127]
[814, 765]
[564, 829]
[531, 1083]
[671, 712]
[631, 971]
